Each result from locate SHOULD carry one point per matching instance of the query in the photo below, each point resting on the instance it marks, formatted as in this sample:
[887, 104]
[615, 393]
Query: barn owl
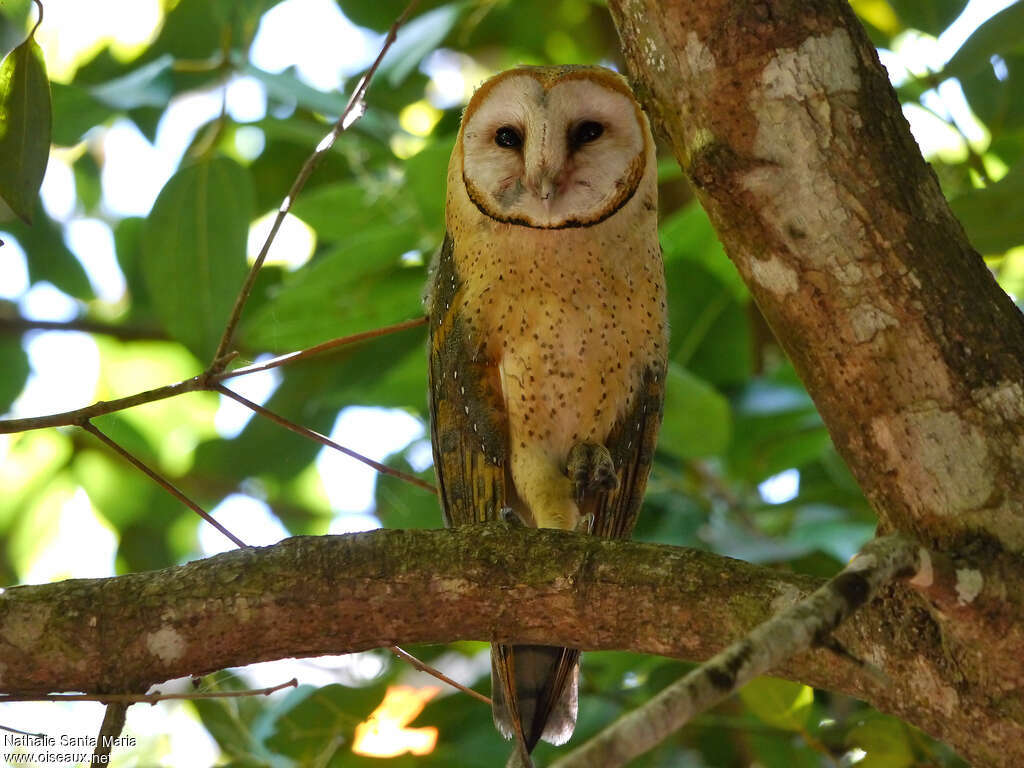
[548, 335]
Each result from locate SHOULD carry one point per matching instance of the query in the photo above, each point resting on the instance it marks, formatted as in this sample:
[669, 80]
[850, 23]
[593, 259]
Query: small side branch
[123, 699]
[807, 624]
[323, 439]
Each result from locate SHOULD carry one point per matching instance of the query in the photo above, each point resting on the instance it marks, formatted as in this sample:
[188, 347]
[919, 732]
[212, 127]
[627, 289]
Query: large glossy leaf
[25, 120]
[194, 250]
[994, 216]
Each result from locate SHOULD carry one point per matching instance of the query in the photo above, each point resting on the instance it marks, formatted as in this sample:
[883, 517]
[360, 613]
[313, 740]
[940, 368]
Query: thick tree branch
[336, 594]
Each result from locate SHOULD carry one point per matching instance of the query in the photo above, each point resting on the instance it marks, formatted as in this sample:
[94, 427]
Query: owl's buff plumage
[548, 300]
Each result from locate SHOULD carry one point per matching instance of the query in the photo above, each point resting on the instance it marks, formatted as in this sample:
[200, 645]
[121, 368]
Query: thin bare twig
[156, 477]
[148, 698]
[422, 667]
[103, 407]
[317, 349]
[323, 439]
[354, 109]
[23, 733]
[201, 383]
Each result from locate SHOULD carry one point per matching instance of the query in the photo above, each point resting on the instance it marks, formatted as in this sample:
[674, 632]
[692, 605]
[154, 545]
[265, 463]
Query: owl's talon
[585, 524]
[510, 516]
[591, 469]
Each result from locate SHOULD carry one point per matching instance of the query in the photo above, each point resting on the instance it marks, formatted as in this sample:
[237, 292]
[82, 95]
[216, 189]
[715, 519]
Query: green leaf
[379, 14]
[194, 250]
[25, 122]
[147, 86]
[336, 211]
[995, 101]
[932, 16]
[994, 216]
[688, 235]
[1001, 34]
[14, 364]
[424, 174]
[75, 111]
[780, 703]
[697, 418]
[358, 286]
[418, 38]
[48, 257]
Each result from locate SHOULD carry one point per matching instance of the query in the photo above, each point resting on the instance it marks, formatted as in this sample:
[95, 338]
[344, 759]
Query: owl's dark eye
[508, 137]
[586, 132]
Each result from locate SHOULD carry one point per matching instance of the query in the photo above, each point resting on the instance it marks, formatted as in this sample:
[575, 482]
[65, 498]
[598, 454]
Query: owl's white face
[553, 152]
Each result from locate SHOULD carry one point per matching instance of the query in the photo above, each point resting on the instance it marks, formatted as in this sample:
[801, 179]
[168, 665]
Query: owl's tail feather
[535, 692]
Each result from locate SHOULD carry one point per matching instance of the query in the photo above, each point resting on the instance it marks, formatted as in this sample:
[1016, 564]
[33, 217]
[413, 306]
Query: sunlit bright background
[74, 539]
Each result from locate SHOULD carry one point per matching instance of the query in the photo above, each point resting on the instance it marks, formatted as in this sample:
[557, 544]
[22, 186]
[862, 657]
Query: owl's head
[553, 147]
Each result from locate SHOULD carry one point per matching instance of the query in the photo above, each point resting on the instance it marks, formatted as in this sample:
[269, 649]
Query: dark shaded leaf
[996, 99]
[75, 111]
[380, 14]
[697, 418]
[931, 17]
[194, 250]
[25, 120]
[994, 216]
[15, 367]
[48, 257]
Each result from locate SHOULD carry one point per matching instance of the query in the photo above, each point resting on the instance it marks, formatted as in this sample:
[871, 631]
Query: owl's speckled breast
[572, 324]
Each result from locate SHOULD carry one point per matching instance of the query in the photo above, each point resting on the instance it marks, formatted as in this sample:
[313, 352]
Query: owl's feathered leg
[591, 469]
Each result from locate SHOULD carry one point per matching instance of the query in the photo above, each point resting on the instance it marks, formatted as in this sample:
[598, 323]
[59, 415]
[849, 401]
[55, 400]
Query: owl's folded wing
[467, 411]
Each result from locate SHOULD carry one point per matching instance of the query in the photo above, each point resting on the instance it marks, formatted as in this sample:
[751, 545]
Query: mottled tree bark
[786, 124]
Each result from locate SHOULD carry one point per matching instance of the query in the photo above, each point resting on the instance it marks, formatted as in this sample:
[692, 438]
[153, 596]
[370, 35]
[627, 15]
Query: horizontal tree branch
[335, 594]
[18, 325]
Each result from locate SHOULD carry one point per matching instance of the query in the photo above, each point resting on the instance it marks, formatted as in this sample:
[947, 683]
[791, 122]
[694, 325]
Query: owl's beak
[545, 185]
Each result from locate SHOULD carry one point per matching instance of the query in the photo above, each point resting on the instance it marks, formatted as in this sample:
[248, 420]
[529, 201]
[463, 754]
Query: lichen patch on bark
[940, 456]
[167, 644]
[969, 583]
[774, 275]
